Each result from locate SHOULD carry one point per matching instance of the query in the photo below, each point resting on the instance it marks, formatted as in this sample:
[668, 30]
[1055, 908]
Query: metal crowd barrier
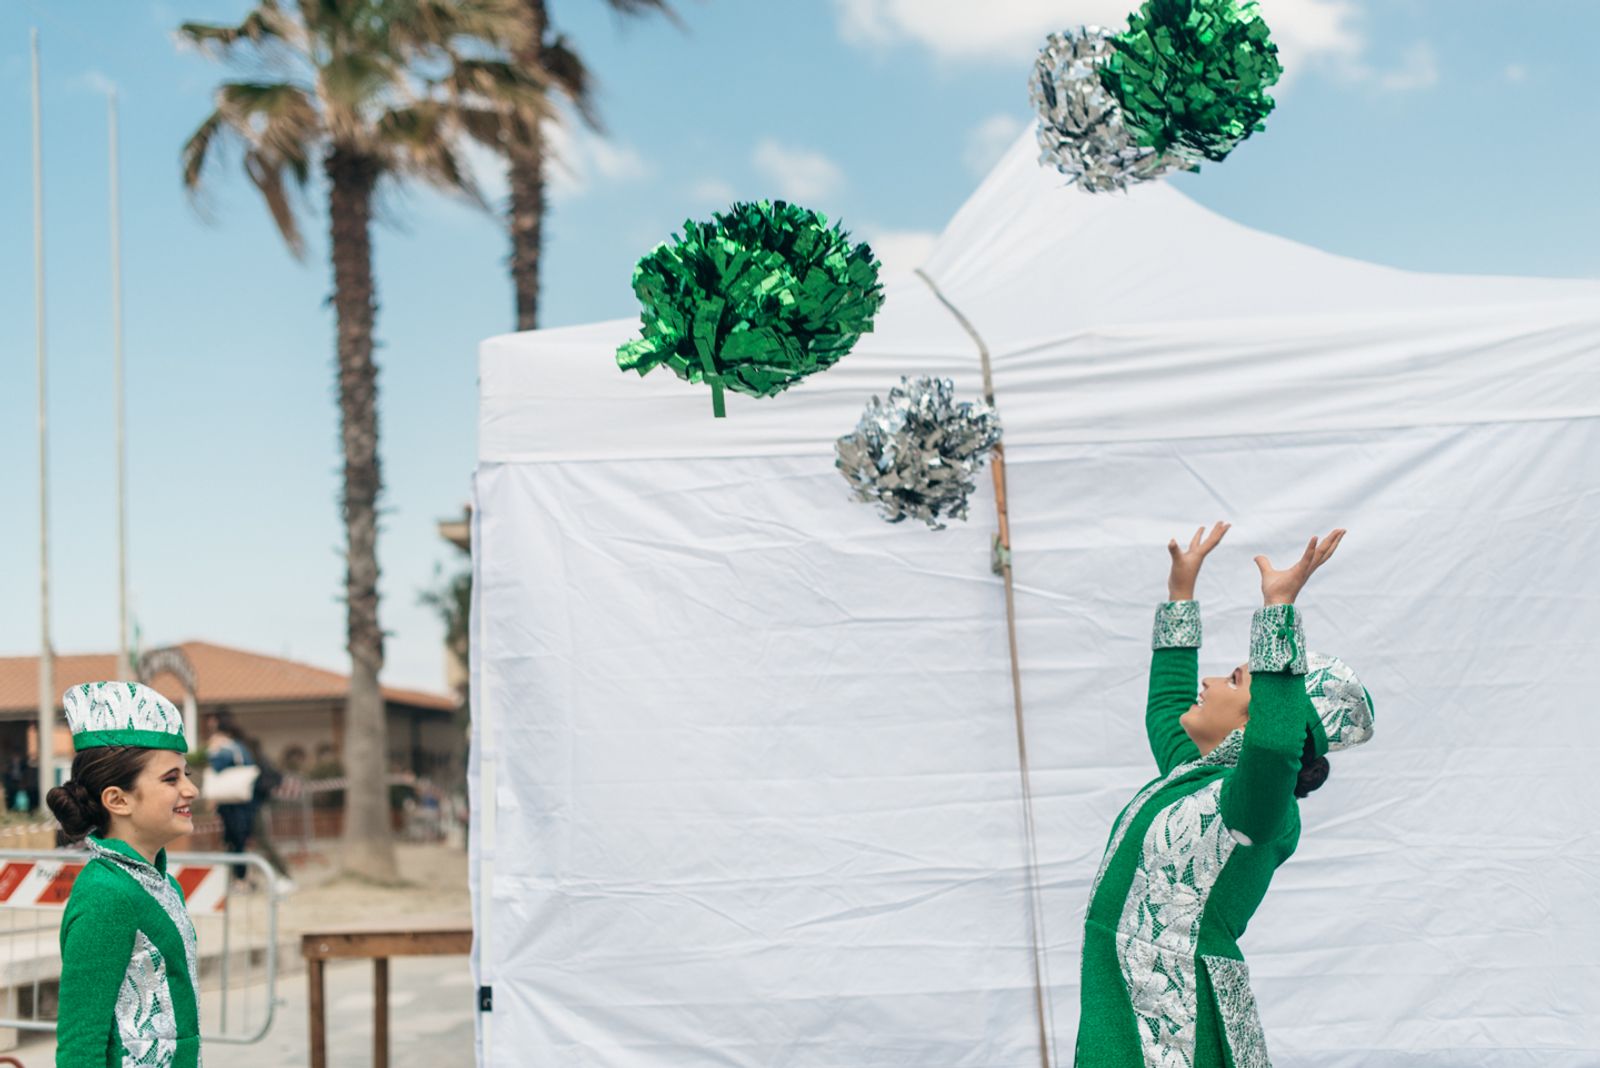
[236, 928]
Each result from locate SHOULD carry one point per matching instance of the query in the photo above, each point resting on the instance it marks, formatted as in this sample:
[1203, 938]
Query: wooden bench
[376, 943]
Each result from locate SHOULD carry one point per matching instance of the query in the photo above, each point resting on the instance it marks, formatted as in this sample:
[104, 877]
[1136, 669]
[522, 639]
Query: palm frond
[421, 141]
[352, 80]
[488, 126]
[447, 24]
[197, 150]
[267, 173]
[510, 86]
[266, 24]
[279, 118]
[631, 8]
[278, 125]
[570, 75]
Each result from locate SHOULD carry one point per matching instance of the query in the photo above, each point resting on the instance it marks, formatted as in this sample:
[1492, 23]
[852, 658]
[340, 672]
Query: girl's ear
[116, 801]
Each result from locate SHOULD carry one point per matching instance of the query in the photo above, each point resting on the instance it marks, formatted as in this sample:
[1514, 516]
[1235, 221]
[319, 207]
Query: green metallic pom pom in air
[1192, 75]
[753, 301]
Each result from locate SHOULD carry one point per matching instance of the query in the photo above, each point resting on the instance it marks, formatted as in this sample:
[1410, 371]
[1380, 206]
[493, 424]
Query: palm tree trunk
[527, 186]
[368, 836]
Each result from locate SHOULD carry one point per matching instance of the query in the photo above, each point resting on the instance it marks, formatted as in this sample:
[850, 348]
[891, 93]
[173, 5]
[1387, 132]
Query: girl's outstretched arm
[1175, 663]
[1258, 797]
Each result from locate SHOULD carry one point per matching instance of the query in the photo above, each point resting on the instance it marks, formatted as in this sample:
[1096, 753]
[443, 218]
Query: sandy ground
[431, 999]
[435, 887]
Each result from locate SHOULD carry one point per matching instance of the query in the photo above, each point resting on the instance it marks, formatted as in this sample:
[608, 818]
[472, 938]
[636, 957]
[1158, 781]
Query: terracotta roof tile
[225, 676]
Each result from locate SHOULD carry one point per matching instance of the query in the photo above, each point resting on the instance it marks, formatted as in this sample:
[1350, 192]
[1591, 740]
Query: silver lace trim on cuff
[1277, 640]
[1177, 626]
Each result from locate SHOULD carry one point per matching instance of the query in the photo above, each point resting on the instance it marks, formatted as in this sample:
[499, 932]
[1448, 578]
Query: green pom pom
[1192, 75]
[753, 301]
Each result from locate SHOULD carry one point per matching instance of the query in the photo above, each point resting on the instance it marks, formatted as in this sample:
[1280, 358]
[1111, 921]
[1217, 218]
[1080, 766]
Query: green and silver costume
[128, 966]
[1164, 984]
[129, 970]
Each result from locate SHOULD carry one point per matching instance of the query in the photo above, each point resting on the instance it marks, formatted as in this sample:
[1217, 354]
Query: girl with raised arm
[1192, 855]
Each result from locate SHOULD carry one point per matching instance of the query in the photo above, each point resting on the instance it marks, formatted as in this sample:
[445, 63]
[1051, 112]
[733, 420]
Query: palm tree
[353, 87]
[549, 61]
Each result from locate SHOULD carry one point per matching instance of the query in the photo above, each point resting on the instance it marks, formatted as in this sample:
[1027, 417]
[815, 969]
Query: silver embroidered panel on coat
[1236, 1003]
[146, 1022]
[1226, 754]
[1182, 855]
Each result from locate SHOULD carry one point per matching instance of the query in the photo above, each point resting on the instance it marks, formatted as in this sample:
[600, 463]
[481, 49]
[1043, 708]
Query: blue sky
[1444, 135]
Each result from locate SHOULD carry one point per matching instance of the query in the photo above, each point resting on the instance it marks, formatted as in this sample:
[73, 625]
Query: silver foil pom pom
[915, 454]
[1080, 122]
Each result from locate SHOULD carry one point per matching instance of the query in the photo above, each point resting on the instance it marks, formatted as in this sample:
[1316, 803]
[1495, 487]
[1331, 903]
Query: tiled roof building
[295, 710]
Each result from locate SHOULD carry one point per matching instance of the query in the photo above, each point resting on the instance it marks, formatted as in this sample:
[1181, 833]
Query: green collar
[118, 846]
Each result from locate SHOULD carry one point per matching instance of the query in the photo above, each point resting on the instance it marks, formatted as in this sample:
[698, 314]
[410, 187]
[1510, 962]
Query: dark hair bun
[75, 810]
[1312, 776]
[1313, 769]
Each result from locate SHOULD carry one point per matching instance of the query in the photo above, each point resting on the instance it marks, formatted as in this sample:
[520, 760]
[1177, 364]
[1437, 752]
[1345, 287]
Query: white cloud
[1516, 72]
[712, 191]
[1419, 69]
[614, 162]
[580, 159]
[988, 141]
[962, 30]
[577, 161]
[901, 250]
[1309, 31]
[799, 174]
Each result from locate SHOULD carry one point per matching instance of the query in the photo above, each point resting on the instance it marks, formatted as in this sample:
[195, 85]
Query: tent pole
[1002, 567]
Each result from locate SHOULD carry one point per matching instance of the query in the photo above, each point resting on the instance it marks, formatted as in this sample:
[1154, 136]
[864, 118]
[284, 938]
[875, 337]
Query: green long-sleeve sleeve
[97, 936]
[1259, 795]
[1174, 680]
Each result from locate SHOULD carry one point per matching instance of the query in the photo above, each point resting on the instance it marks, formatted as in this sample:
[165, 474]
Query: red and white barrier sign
[44, 884]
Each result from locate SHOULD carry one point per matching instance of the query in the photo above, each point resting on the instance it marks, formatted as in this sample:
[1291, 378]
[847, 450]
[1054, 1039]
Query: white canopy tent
[745, 773]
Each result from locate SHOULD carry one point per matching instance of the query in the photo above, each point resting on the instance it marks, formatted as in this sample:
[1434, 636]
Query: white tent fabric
[745, 774]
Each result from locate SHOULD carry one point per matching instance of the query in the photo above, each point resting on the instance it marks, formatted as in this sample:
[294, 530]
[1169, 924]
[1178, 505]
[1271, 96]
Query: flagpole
[124, 665]
[47, 667]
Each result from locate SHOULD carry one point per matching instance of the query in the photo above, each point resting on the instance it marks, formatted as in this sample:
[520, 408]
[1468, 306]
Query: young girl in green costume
[128, 967]
[1192, 855]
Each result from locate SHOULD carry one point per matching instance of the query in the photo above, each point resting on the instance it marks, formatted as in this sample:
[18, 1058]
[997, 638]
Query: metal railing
[236, 930]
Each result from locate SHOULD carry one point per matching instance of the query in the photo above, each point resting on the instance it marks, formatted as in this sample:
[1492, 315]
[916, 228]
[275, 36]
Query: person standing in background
[225, 750]
[261, 821]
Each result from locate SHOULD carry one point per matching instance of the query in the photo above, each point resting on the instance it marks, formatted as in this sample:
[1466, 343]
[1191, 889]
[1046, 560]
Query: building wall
[434, 748]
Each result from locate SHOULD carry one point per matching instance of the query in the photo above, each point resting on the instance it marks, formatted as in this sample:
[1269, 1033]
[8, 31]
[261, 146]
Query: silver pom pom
[915, 455]
[1080, 122]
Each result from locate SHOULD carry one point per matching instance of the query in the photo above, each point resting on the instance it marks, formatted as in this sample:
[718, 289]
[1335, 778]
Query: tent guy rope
[1002, 567]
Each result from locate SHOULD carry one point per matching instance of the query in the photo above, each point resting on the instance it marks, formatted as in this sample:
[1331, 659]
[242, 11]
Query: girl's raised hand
[1186, 562]
[1282, 587]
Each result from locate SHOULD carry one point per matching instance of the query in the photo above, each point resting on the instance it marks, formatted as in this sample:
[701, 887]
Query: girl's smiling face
[1222, 707]
[157, 810]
